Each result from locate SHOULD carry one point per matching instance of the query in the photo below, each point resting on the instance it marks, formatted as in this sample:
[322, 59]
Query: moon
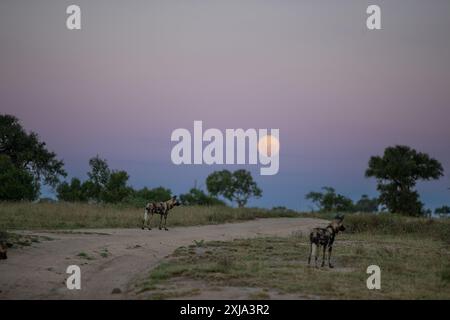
[268, 146]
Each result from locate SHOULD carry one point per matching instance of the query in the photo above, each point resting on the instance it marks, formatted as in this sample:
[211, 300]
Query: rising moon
[268, 146]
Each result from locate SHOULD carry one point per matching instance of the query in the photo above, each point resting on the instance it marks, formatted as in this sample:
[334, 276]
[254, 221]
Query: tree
[196, 197]
[397, 173]
[316, 198]
[330, 201]
[365, 204]
[104, 184]
[156, 194]
[140, 198]
[116, 189]
[342, 203]
[99, 176]
[28, 154]
[73, 192]
[443, 211]
[16, 183]
[237, 186]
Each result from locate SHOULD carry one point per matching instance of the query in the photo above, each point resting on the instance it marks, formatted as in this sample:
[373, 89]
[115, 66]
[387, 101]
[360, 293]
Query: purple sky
[140, 69]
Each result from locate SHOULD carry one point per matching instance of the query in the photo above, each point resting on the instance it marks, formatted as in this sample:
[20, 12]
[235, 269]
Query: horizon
[338, 93]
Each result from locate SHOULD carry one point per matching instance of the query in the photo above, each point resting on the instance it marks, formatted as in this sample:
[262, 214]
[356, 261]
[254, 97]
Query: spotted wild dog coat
[325, 237]
[161, 208]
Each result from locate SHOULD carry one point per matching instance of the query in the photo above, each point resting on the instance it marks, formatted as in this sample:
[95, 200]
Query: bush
[387, 223]
[139, 198]
[196, 197]
[444, 210]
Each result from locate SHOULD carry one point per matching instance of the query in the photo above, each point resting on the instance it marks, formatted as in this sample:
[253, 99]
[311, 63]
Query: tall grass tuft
[393, 224]
[64, 215]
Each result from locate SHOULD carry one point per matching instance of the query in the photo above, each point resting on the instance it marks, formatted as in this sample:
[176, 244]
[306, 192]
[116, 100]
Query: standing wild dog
[325, 237]
[161, 208]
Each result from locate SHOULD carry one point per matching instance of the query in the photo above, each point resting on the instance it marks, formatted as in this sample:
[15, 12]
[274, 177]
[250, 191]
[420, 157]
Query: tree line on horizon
[330, 201]
[110, 186]
[26, 165]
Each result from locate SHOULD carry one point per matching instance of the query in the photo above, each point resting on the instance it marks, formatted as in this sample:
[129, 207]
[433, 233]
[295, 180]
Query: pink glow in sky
[338, 92]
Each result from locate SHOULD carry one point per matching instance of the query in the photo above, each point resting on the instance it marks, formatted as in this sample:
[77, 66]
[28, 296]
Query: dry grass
[80, 215]
[392, 224]
[414, 265]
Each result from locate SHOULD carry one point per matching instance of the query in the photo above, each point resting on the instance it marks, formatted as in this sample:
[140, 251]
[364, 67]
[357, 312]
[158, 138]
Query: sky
[137, 70]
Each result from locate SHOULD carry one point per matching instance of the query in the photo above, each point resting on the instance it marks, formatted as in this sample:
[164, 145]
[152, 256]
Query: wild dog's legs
[160, 222]
[323, 255]
[329, 257]
[144, 220]
[310, 252]
[165, 222]
[314, 253]
[149, 225]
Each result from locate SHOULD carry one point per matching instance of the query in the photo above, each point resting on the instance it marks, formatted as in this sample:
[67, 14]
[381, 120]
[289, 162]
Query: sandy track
[39, 272]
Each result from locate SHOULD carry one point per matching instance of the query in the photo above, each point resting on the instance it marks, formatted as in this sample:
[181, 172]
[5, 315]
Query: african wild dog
[325, 237]
[161, 208]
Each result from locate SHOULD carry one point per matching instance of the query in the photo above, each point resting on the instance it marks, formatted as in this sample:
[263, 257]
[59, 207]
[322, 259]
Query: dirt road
[115, 258]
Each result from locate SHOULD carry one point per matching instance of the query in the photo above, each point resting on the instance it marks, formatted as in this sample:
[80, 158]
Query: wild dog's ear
[339, 217]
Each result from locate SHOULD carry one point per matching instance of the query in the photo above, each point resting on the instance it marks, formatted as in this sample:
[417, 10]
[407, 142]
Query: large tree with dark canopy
[397, 173]
[27, 157]
[15, 183]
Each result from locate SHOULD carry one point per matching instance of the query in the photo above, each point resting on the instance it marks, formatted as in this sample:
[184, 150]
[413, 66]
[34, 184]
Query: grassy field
[32, 216]
[413, 255]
